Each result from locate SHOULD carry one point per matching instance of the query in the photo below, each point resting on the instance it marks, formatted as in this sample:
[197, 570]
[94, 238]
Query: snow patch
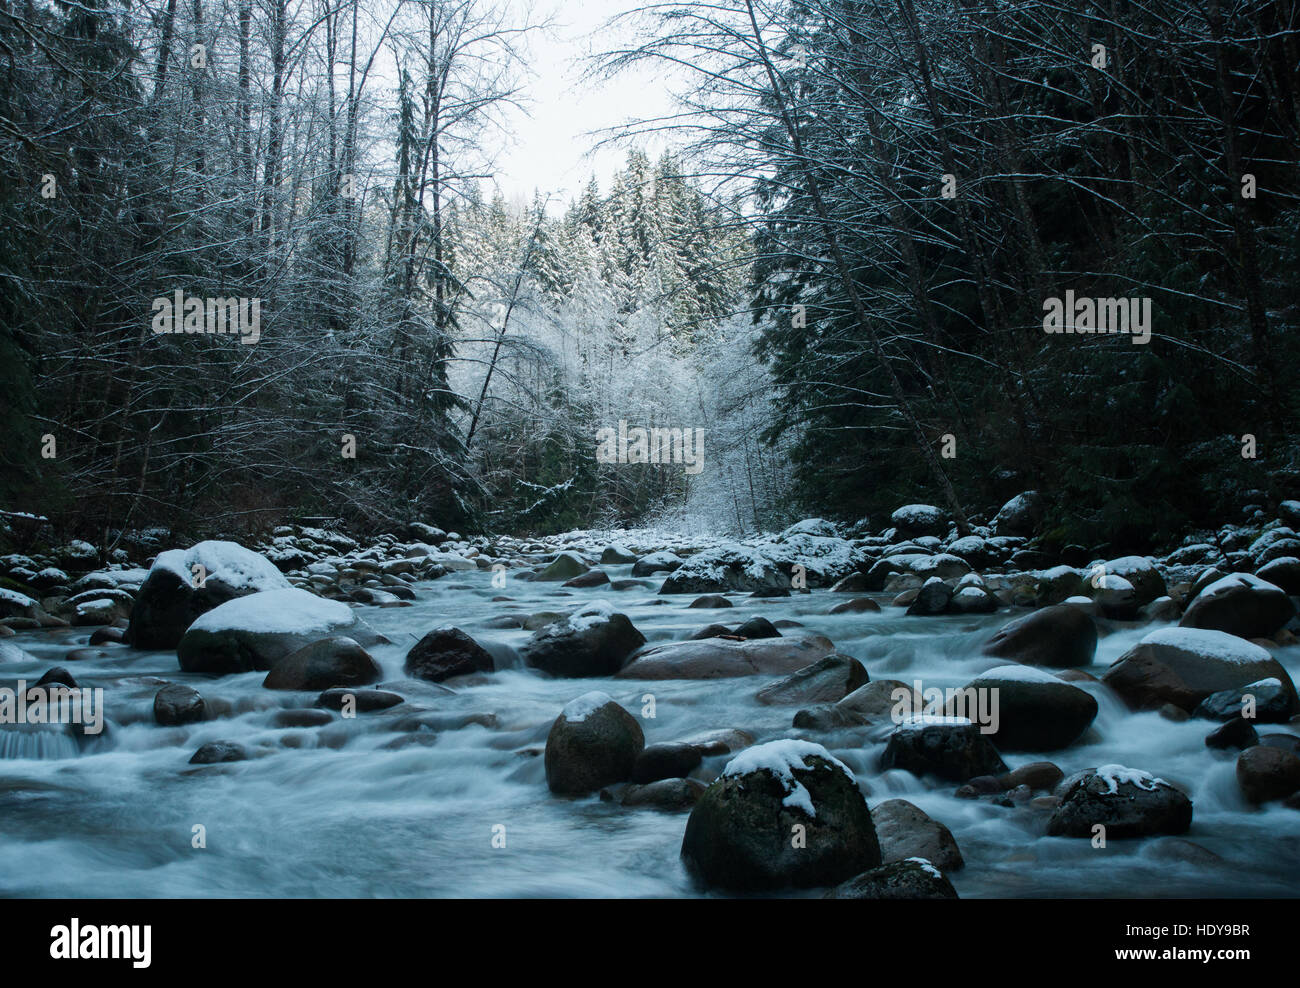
[1115, 775]
[1213, 644]
[579, 709]
[285, 611]
[781, 758]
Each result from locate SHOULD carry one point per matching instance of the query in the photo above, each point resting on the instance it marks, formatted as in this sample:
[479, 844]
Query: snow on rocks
[1122, 802]
[782, 814]
[257, 630]
[176, 593]
[920, 519]
[1240, 604]
[1183, 666]
[595, 640]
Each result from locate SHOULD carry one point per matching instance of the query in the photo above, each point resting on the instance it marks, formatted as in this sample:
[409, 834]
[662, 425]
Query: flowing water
[372, 807]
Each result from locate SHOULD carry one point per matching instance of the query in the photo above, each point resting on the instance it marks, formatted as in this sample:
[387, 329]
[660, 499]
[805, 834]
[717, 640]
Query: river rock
[593, 641]
[1021, 515]
[1240, 604]
[333, 661]
[906, 831]
[1266, 773]
[1060, 637]
[932, 598]
[1127, 802]
[727, 567]
[827, 680]
[1183, 666]
[1035, 710]
[593, 743]
[665, 794]
[913, 878]
[1283, 572]
[566, 566]
[176, 704]
[1271, 703]
[667, 760]
[919, 519]
[858, 605]
[216, 752]
[950, 747]
[656, 561]
[1237, 733]
[718, 658]
[615, 555]
[447, 652]
[757, 627]
[782, 814]
[361, 701]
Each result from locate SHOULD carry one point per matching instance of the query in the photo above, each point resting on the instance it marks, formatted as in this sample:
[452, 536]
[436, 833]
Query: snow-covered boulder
[1183, 666]
[593, 641]
[920, 519]
[1141, 574]
[1240, 604]
[258, 630]
[783, 814]
[176, 593]
[825, 559]
[819, 527]
[656, 561]
[727, 567]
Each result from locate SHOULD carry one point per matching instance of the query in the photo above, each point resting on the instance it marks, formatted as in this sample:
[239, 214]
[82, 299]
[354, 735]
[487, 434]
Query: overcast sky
[551, 149]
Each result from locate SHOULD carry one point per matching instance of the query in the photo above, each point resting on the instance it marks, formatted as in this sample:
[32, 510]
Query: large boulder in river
[1240, 604]
[1034, 710]
[175, 594]
[593, 641]
[1060, 637]
[446, 652]
[783, 814]
[333, 661]
[593, 743]
[1126, 802]
[257, 631]
[718, 658]
[1183, 666]
[727, 567]
[950, 747]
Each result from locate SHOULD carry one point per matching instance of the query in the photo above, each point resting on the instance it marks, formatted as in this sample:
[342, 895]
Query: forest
[838, 271]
